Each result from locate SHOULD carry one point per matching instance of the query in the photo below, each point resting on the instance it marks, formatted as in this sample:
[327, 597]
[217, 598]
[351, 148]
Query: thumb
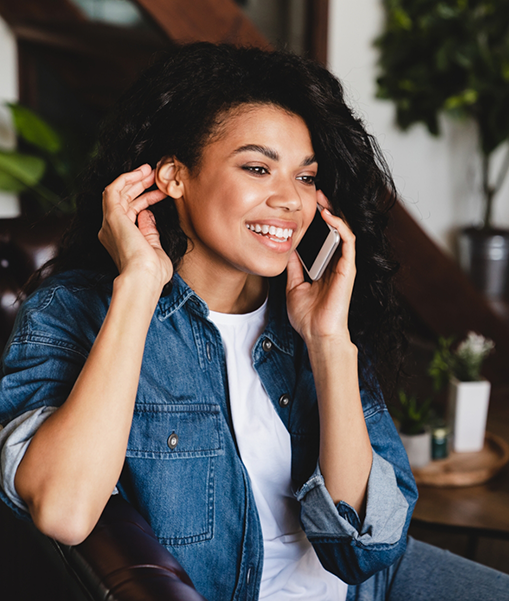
[147, 226]
[294, 272]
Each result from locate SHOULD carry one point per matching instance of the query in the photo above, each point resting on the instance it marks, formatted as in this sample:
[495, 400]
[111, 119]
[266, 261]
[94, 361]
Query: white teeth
[280, 234]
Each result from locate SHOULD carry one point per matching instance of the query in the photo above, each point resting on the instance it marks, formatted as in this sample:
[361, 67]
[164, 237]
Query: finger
[144, 201]
[134, 181]
[344, 261]
[132, 190]
[294, 272]
[346, 234]
[322, 200]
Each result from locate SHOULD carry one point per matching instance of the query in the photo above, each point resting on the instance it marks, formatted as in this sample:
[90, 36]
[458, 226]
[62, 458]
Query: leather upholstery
[121, 560]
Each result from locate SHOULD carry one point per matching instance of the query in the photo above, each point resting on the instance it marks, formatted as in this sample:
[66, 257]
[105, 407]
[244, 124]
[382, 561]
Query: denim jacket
[182, 469]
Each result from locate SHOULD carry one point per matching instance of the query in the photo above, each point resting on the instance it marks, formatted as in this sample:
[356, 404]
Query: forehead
[262, 124]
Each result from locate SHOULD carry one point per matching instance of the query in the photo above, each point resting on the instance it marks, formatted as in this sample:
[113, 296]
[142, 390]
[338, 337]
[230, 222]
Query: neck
[224, 290]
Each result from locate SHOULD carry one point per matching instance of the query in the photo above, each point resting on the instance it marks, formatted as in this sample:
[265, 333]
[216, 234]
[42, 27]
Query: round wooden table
[481, 510]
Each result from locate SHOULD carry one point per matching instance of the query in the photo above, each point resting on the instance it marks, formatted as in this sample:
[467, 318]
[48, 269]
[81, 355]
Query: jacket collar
[279, 331]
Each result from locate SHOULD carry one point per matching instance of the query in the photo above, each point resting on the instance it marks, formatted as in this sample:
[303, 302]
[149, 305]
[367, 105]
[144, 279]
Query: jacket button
[266, 345]
[284, 400]
[173, 440]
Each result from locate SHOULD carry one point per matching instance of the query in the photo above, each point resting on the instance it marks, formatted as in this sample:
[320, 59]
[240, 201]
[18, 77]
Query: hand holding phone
[317, 246]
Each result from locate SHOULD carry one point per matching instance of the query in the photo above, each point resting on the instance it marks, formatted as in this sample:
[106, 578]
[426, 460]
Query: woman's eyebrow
[268, 152]
[271, 153]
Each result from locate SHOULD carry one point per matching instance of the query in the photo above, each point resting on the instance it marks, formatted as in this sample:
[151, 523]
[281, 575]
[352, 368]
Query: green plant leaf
[35, 130]
[411, 414]
[20, 171]
[466, 98]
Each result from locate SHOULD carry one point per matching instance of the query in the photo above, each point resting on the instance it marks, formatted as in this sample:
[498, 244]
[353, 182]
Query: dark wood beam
[204, 20]
[317, 26]
[441, 295]
[43, 11]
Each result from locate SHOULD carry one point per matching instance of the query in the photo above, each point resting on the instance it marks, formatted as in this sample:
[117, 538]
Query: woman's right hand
[129, 230]
[76, 457]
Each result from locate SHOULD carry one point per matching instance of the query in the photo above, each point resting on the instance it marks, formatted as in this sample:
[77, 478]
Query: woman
[181, 359]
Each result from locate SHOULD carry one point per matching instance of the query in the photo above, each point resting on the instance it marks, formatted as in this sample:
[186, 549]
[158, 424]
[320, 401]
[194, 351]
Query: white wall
[438, 178]
[9, 206]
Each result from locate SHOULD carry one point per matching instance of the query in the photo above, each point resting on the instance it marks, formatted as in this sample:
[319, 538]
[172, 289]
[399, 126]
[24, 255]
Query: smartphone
[317, 246]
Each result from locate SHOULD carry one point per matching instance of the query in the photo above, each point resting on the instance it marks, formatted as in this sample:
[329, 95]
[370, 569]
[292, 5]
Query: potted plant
[47, 166]
[469, 392]
[413, 418]
[452, 56]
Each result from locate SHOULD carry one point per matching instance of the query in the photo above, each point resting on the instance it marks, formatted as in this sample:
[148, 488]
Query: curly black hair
[174, 109]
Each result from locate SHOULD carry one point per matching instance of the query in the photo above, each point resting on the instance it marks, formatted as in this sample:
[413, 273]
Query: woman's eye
[308, 179]
[256, 169]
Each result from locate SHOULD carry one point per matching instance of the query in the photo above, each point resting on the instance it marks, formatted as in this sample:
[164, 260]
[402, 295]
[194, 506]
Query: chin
[270, 271]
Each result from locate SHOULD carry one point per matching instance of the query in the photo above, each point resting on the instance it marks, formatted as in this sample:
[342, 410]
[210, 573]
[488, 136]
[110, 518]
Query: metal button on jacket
[173, 440]
[284, 400]
[266, 345]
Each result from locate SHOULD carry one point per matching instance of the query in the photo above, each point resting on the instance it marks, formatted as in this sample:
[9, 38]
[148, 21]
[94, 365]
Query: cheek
[309, 210]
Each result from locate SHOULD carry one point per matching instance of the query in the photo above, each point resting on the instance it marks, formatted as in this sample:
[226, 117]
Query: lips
[277, 234]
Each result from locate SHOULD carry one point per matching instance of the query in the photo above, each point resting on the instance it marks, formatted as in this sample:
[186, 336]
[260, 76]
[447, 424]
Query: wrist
[141, 289]
[327, 354]
[331, 344]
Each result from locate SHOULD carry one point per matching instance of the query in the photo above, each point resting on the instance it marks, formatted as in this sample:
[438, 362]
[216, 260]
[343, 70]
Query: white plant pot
[418, 448]
[467, 413]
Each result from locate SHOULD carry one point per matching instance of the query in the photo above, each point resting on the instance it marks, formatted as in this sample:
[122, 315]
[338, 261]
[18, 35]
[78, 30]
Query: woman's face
[253, 195]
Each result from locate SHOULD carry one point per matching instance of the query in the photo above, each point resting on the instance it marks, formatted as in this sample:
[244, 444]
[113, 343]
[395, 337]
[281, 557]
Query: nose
[285, 195]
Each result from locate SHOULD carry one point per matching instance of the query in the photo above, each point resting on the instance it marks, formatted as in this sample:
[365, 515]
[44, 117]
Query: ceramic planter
[484, 256]
[418, 448]
[468, 410]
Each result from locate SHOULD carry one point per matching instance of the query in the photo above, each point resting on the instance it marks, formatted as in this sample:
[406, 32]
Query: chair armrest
[122, 560]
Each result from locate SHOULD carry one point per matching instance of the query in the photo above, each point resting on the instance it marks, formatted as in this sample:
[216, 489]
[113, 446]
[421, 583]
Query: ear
[169, 178]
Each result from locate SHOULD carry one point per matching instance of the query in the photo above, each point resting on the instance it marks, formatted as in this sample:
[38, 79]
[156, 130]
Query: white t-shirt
[291, 569]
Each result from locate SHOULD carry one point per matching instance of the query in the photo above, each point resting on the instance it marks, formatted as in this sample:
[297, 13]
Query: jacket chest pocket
[170, 458]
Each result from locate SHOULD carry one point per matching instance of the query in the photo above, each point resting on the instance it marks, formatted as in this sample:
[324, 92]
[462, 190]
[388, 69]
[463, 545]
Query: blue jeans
[427, 573]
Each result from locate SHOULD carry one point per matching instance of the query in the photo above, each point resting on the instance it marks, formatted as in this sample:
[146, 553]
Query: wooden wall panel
[441, 295]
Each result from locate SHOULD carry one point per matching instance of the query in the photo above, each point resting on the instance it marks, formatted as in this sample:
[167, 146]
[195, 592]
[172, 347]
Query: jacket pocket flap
[174, 431]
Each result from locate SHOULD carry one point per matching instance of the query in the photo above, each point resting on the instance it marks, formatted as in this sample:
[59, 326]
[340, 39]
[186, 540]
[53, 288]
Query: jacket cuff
[386, 509]
[14, 441]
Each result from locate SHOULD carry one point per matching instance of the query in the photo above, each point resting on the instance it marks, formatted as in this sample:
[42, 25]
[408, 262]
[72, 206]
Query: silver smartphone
[317, 246]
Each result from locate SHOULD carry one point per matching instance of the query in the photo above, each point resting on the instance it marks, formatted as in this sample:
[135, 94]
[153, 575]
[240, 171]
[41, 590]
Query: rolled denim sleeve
[386, 509]
[14, 441]
[347, 547]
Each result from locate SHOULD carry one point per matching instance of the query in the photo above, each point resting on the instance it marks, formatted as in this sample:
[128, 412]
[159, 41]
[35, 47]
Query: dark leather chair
[121, 560]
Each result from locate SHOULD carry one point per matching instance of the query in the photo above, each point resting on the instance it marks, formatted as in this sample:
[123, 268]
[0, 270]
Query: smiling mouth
[277, 234]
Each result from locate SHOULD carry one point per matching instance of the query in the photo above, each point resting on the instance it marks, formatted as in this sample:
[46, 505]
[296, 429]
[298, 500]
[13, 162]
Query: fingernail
[326, 211]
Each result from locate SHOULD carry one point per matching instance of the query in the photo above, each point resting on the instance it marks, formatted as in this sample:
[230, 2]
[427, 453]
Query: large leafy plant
[450, 56]
[48, 164]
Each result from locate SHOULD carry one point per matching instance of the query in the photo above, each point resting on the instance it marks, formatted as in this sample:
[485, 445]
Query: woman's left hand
[318, 311]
